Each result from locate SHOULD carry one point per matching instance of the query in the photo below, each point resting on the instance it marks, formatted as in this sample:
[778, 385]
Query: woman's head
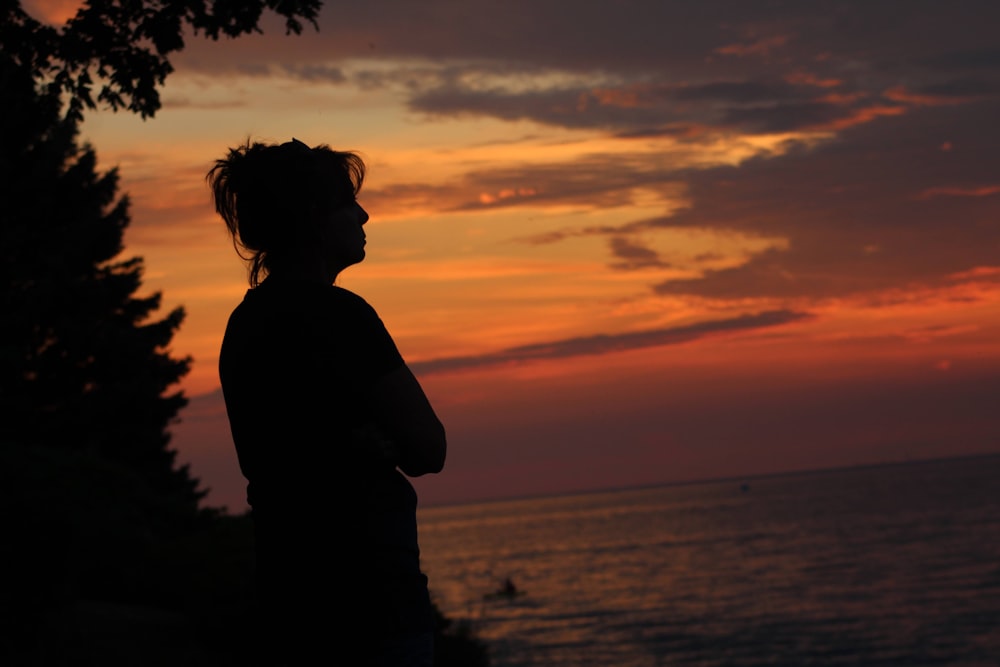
[277, 201]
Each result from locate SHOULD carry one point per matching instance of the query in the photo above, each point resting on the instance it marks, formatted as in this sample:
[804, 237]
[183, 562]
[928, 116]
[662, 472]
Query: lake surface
[890, 565]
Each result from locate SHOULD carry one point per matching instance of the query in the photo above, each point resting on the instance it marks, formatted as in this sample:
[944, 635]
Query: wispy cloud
[609, 343]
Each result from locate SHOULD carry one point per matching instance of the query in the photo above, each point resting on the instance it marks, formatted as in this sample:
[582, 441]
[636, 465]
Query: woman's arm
[402, 411]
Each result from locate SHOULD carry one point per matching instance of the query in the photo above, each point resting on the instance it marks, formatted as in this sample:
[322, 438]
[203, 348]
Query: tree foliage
[82, 363]
[124, 44]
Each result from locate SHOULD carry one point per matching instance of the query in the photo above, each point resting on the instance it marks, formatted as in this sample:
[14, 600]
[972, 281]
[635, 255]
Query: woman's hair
[267, 195]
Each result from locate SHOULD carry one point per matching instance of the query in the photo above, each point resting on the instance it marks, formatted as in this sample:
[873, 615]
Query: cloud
[634, 255]
[904, 200]
[759, 47]
[829, 66]
[907, 199]
[675, 109]
[645, 34]
[880, 207]
[609, 343]
[598, 180]
[948, 92]
[677, 42]
[971, 191]
[315, 72]
[962, 60]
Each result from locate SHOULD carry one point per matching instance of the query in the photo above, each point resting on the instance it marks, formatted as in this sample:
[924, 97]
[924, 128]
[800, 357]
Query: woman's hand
[371, 443]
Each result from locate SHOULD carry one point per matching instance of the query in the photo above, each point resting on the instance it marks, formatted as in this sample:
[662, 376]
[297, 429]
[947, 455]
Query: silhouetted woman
[324, 414]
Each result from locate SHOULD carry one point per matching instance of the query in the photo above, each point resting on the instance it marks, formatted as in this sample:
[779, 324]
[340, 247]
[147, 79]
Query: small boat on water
[506, 591]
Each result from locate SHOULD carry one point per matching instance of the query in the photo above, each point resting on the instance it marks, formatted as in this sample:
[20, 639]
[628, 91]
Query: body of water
[891, 565]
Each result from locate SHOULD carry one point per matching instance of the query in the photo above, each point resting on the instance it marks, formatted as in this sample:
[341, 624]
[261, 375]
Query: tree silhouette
[82, 364]
[126, 44]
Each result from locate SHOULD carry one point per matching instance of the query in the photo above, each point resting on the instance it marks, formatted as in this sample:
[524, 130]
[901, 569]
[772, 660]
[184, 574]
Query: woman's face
[342, 235]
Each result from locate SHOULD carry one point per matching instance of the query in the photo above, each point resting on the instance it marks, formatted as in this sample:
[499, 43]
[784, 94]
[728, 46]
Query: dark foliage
[456, 644]
[97, 570]
[126, 44]
[82, 364]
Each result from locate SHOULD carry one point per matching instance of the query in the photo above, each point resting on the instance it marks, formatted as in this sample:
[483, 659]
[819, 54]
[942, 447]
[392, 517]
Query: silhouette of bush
[76, 527]
[85, 536]
[455, 644]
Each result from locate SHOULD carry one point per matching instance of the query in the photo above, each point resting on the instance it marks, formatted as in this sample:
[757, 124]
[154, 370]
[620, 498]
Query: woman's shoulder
[274, 291]
[347, 298]
[338, 292]
[313, 301]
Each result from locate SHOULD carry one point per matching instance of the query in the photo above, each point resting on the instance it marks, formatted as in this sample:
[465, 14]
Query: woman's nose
[364, 214]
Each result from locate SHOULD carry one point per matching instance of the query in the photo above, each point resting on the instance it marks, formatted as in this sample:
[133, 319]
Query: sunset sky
[619, 243]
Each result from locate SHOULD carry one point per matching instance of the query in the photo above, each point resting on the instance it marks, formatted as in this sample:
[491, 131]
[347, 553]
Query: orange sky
[635, 248]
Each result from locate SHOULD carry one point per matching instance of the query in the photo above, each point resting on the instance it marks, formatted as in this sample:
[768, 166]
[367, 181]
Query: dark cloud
[632, 36]
[828, 64]
[746, 92]
[902, 201]
[634, 255]
[607, 343]
[643, 68]
[963, 60]
[658, 109]
[960, 89]
[312, 72]
[588, 36]
[910, 199]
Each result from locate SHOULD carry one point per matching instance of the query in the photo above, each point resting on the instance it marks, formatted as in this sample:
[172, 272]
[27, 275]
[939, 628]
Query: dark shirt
[335, 524]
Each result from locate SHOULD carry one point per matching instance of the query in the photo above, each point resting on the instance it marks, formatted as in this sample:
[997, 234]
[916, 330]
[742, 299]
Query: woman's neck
[306, 271]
